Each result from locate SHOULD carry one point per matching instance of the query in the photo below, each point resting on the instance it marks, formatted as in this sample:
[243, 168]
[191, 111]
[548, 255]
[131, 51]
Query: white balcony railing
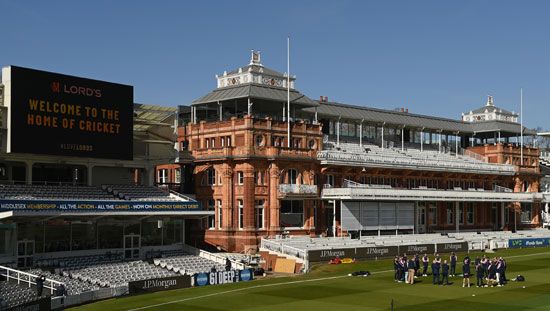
[393, 194]
[297, 189]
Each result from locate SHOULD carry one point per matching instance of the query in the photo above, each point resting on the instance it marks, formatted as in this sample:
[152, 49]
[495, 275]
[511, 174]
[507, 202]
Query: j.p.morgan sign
[374, 252]
[154, 285]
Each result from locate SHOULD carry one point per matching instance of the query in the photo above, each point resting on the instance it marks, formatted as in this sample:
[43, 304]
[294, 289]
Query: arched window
[211, 177]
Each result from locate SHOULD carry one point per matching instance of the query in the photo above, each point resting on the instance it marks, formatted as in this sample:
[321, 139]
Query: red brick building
[324, 168]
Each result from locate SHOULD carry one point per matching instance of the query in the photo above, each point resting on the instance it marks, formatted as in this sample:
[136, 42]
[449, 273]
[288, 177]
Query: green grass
[328, 287]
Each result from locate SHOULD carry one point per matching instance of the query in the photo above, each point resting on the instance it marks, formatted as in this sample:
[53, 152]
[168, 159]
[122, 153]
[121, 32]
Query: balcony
[293, 190]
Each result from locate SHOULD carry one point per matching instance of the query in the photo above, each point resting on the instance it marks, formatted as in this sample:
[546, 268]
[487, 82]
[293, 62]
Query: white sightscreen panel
[369, 214]
[351, 216]
[405, 214]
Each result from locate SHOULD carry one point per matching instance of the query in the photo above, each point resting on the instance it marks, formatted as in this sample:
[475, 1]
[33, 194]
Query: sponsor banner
[452, 247]
[376, 252]
[417, 249]
[534, 242]
[155, 285]
[328, 254]
[70, 116]
[87, 206]
[42, 304]
[223, 277]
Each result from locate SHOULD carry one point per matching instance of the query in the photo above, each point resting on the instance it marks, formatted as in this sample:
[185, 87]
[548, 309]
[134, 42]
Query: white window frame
[211, 220]
[259, 208]
[177, 176]
[211, 177]
[220, 213]
[240, 177]
[291, 180]
[240, 206]
[162, 176]
[330, 180]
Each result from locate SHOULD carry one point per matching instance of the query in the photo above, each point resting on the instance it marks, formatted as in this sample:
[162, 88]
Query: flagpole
[288, 89]
[521, 129]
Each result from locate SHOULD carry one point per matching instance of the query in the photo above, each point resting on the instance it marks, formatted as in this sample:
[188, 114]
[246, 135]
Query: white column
[361, 134]
[439, 142]
[421, 141]
[315, 121]
[249, 107]
[498, 136]
[28, 172]
[284, 113]
[221, 110]
[338, 133]
[382, 137]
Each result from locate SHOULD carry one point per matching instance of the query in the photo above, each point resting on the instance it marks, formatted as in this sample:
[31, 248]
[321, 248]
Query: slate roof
[379, 116]
[258, 91]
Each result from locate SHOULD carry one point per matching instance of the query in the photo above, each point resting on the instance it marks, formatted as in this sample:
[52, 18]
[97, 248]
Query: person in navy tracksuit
[479, 275]
[445, 273]
[402, 268]
[396, 268]
[436, 266]
[453, 260]
[425, 261]
[466, 271]
[500, 269]
[485, 263]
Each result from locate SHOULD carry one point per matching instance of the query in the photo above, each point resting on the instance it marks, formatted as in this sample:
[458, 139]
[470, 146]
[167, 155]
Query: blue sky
[433, 57]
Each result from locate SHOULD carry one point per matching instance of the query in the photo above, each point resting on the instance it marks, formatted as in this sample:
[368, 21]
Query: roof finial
[255, 58]
[490, 101]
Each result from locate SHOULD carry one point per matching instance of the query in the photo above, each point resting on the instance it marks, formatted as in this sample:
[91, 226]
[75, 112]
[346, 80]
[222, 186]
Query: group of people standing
[489, 272]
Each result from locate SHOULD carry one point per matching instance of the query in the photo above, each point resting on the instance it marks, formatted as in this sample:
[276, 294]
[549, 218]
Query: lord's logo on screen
[55, 87]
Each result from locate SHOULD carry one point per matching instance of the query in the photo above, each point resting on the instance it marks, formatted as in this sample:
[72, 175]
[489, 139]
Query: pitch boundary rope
[280, 284]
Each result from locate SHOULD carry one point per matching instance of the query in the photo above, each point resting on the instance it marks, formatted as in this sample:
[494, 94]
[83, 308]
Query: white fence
[27, 278]
[433, 163]
[212, 256]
